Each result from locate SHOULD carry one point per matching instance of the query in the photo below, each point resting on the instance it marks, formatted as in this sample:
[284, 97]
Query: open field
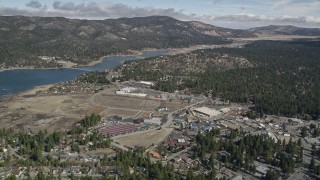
[96, 110]
[68, 105]
[173, 105]
[29, 112]
[144, 138]
[126, 102]
[105, 151]
[120, 112]
[144, 115]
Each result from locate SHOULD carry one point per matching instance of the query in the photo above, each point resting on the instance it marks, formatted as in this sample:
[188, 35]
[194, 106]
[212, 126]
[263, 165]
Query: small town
[159, 90]
[193, 134]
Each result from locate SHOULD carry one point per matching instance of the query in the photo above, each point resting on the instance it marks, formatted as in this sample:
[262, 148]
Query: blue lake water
[15, 81]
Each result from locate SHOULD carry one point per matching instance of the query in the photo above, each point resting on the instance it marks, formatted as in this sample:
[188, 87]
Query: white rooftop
[153, 121]
[207, 111]
[147, 83]
[225, 110]
[128, 89]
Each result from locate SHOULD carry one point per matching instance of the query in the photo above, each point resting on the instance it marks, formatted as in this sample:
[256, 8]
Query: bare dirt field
[32, 113]
[173, 105]
[29, 112]
[105, 151]
[96, 110]
[71, 105]
[144, 115]
[126, 102]
[121, 112]
[144, 139]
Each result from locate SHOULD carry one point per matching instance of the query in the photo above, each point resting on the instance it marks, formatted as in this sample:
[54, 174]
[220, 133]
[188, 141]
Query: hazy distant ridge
[24, 39]
[286, 30]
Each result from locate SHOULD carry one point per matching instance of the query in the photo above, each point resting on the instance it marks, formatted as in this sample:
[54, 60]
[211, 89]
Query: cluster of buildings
[3, 154]
[176, 141]
[70, 87]
[205, 118]
[115, 130]
[131, 91]
[116, 125]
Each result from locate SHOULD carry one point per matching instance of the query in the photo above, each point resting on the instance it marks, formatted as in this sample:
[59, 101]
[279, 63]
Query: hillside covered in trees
[46, 41]
[278, 77]
[25, 39]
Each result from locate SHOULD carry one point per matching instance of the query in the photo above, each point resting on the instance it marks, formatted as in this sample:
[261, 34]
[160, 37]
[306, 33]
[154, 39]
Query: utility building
[206, 112]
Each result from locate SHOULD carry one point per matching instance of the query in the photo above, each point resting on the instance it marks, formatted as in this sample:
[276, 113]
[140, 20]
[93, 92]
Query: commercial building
[156, 121]
[155, 154]
[130, 91]
[206, 112]
[225, 110]
[273, 137]
[118, 129]
[147, 83]
[261, 170]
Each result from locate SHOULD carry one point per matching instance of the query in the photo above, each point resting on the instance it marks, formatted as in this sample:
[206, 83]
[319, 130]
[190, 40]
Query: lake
[15, 81]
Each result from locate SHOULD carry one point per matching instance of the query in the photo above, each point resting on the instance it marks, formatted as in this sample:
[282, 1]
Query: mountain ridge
[25, 39]
[286, 30]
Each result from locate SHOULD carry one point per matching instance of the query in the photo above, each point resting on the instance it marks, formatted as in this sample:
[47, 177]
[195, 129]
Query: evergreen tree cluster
[95, 77]
[284, 78]
[243, 152]
[90, 121]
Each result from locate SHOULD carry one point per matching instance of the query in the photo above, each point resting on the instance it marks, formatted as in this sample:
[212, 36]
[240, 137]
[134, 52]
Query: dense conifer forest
[283, 79]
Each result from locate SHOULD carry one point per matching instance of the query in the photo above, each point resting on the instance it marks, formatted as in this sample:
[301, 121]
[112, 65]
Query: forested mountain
[24, 39]
[278, 77]
[285, 30]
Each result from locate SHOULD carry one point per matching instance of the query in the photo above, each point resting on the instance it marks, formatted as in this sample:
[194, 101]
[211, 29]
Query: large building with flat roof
[206, 112]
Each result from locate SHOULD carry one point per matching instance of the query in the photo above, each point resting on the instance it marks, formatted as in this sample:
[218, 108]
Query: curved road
[165, 125]
[13, 152]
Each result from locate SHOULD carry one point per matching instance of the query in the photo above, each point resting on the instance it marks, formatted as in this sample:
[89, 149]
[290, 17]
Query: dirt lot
[105, 151]
[145, 139]
[96, 110]
[32, 113]
[173, 105]
[60, 105]
[29, 112]
[144, 115]
[126, 102]
[121, 112]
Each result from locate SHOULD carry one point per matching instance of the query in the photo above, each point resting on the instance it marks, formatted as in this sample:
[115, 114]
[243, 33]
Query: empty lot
[120, 112]
[125, 102]
[33, 113]
[144, 138]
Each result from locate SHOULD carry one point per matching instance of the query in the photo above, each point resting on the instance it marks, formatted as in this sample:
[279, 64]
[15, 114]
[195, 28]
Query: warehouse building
[154, 120]
[115, 130]
[206, 112]
[130, 91]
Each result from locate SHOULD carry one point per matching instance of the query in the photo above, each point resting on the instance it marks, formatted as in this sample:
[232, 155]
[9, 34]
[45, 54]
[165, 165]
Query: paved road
[119, 146]
[12, 151]
[302, 173]
[174, 155]
[81, 175]
[165, 125]
[170, 118]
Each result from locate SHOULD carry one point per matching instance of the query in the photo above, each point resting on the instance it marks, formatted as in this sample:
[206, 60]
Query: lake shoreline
[104, 61]
[92, 63]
